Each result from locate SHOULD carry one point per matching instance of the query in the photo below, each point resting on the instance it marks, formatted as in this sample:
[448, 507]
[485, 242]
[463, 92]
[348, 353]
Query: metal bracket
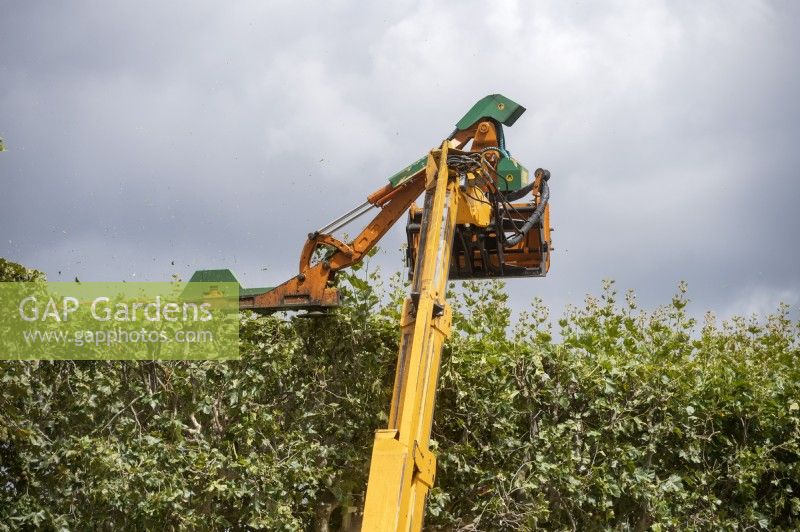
[424, 465]
[495, 106]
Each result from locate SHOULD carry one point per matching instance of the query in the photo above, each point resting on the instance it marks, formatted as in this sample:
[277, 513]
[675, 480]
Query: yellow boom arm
[403, 468]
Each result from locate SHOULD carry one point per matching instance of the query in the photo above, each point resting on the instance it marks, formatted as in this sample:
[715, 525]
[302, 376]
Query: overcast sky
[142, 133]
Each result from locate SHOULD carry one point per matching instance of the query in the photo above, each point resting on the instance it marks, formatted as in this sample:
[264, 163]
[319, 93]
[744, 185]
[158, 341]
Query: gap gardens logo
[119, 321]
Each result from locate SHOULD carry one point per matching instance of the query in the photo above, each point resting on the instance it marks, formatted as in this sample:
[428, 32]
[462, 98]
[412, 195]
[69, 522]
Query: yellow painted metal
[474, 207]
[403, 469]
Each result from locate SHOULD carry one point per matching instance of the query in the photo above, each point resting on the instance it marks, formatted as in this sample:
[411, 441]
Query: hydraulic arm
[467, 227]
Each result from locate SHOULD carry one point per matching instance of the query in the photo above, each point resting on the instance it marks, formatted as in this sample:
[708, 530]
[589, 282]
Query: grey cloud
[217, 137]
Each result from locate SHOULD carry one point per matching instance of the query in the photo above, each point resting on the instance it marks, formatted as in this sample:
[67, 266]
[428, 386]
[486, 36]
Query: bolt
[301, 277]
[483, 128]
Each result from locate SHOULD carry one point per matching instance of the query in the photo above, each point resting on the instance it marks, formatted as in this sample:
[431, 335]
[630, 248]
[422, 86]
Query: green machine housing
[511, 175]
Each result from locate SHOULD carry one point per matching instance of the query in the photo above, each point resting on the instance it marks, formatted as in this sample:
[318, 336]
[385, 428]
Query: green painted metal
[511, 175]
[407, 172]
[226, 276]
[213, 276]
[496, 106]
[250, 292]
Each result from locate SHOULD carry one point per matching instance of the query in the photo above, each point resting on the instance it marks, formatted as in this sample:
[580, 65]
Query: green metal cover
[213, 276]
[250, 292]
[496, 106]
[226, 276]
[408, 171]
[511, 175]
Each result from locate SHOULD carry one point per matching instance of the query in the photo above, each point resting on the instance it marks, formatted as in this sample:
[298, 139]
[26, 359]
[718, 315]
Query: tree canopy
[628, 419]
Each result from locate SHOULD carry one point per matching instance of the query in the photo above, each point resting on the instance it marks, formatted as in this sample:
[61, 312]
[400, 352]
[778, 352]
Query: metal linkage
[346, 218]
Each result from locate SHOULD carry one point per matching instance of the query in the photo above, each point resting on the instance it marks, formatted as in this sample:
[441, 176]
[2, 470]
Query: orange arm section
[313, 288]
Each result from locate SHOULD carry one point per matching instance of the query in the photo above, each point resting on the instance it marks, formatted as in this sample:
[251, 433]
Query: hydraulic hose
[537, 212]
[514, 195]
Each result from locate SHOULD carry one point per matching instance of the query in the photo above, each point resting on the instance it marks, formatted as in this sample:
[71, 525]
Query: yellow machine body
[456, 207]
[474, 208]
